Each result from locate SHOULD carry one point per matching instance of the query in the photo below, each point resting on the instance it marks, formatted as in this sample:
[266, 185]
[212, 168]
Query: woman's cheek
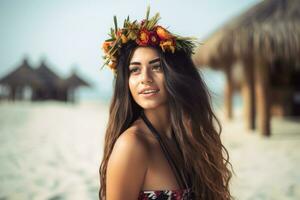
[133, 87]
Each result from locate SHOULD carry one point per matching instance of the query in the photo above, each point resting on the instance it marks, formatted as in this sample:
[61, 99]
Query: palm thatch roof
[50, 78]
[21, 76]
[75, 81]
[269, 30]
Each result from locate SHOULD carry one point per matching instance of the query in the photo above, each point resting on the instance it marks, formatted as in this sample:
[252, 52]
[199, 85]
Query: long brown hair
[197, 129]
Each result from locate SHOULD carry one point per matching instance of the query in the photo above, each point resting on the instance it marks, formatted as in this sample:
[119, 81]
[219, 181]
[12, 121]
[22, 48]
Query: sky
[68, 34]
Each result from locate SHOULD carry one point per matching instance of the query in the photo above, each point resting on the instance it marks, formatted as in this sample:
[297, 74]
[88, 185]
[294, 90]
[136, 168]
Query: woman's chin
[150, 105]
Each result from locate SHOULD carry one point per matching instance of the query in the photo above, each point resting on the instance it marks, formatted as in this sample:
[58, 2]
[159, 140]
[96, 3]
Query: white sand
[50, 150]
[53, 151]
[265, 168]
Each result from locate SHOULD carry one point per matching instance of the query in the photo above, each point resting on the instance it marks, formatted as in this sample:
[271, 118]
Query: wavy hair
[197, 128]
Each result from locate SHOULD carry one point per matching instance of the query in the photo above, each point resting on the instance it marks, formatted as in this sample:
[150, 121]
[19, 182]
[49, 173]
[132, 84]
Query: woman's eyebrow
[150, 62]
[154, 60]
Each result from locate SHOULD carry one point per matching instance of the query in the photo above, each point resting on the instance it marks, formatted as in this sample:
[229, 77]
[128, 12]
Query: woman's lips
[152, 94]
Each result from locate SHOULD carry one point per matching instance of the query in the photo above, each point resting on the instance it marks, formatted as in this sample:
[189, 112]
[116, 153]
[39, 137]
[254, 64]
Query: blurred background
[54, 96]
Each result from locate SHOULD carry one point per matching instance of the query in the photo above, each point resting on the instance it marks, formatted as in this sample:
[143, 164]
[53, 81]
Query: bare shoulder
[133, 139]
[127, 164]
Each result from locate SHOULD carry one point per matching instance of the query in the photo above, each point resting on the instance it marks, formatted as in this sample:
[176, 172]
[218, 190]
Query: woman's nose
[146, 76]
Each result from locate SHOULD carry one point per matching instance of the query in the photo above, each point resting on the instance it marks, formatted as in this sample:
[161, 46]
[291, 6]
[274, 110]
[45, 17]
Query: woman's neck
[160, 119]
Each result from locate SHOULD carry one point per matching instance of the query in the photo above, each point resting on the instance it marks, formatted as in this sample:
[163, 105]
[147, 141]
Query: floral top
[180, 194]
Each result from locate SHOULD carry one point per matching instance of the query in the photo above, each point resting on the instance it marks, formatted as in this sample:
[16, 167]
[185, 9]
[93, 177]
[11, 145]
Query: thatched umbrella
[73, 82]
[53, 84]
[264, 34]
[22, 76]
[269, 29]
[50, 78]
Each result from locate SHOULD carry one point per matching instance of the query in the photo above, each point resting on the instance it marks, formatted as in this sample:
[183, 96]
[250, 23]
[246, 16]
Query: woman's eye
[156, 67]
[133, 70]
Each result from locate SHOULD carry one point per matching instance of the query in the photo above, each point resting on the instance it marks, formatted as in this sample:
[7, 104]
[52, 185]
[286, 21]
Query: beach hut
[72, 83]
[53, 87]
[22, 79]
[259, 53]
[41, 83]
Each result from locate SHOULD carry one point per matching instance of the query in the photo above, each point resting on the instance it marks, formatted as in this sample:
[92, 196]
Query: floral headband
[145, 33]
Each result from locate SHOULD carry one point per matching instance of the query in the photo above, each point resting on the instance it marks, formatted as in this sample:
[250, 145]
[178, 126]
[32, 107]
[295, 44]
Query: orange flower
[143, 37]
[112, 64]
[163, 34]
[168, 45]
[119, 32]
[106, 46]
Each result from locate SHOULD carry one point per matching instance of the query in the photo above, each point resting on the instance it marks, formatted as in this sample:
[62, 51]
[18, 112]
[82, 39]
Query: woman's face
[146, 78]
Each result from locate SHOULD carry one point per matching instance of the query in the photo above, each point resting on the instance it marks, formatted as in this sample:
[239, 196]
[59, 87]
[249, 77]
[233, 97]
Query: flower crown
[145, 33]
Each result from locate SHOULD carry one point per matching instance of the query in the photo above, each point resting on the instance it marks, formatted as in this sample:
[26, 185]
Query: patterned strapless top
[180, 194]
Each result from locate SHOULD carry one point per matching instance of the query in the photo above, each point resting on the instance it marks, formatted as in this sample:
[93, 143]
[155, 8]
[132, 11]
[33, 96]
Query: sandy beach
[50, 150]
[53, 150]
[265, 168]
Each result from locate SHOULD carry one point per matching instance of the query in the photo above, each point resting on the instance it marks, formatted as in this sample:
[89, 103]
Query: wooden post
[248, 92]
[12, 93]
[262, 86]
[228, 93]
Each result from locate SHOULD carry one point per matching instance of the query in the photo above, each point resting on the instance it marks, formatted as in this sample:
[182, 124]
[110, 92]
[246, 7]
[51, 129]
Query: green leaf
[109, 40]
[153, 21]
[114, 48]
[147, 17]
[147, 13]
[112, 33]
[115, 22]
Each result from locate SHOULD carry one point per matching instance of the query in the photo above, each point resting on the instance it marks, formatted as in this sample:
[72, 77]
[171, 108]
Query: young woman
[163, 139]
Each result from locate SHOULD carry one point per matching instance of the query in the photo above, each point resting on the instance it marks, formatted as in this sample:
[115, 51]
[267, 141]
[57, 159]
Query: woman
[161, 141]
